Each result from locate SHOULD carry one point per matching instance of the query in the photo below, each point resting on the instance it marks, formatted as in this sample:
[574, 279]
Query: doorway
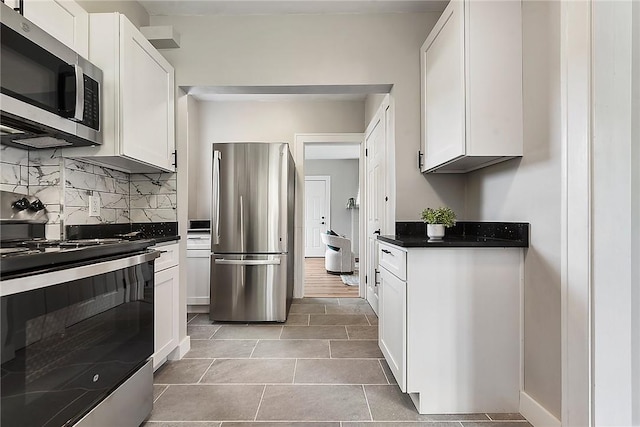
[334, 160]
[317, 213]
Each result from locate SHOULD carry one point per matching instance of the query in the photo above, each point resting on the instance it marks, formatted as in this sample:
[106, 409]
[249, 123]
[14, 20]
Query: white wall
[371, 105]
[635, 215]
[344, 184]
[528, 190]
[322, 50]
[196, 158]
[258, 121]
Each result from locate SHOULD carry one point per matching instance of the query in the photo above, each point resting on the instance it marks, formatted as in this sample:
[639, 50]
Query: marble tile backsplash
[64, 186]
[14, 170]
[82, 180]
[153, 197]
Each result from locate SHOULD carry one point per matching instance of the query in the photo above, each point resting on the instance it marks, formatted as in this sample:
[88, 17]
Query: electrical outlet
[94, 205]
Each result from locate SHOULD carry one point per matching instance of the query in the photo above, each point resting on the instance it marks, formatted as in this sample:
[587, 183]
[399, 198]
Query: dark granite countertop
[465, 234]
[159, 231]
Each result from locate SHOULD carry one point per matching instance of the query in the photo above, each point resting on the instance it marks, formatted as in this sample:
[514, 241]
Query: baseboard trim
[182, 349]
[197, 308]
[535, 413]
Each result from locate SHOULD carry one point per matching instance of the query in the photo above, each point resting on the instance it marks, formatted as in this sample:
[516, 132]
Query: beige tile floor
[322, 368]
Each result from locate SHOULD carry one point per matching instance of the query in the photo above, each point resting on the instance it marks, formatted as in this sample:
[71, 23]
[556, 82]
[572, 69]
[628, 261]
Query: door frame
[298, 150]
[385, 115]
[600, 315]
[327, 204]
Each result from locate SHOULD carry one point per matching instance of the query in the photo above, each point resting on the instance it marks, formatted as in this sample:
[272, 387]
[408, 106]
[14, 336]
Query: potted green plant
[437, 219]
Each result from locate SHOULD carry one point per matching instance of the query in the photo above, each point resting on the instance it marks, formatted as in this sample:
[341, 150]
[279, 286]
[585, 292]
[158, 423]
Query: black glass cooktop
[34, 256]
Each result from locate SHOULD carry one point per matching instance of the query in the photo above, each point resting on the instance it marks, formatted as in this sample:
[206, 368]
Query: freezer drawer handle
[248, 261]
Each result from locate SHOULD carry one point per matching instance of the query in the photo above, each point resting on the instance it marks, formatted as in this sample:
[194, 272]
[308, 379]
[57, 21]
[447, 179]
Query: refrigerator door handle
[215, 200]
[248, 261]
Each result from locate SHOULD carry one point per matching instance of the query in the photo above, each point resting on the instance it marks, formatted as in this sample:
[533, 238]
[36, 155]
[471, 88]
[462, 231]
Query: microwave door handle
[79, 110]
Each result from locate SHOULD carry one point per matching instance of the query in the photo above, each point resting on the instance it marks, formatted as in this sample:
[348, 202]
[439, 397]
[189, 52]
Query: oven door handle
[43, 280]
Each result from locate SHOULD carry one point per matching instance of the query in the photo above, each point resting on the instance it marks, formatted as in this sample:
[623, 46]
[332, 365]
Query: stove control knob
[21, 204]
[36, 206]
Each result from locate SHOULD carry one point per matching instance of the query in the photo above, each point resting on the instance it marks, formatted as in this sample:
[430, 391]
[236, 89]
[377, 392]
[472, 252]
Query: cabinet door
[392, 324]
[147, 96]
[443, 89]
[198, 273]
[165, 314]
[169, 256]
[65, 20]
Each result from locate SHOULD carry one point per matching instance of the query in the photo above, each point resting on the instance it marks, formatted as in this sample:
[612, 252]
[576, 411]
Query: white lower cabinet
[198, 267]
[451, 332]
[392, 325]
[166, 300]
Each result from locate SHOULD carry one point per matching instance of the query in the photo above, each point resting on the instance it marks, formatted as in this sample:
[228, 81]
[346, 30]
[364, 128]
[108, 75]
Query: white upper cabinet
[471, 87]
[147, 100]
[65, 20]
[137, 98]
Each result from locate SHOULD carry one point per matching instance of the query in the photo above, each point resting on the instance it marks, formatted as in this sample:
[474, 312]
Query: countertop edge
[165, 239]
[423, 242]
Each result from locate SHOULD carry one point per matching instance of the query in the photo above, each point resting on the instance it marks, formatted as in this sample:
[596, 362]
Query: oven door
[72, 336]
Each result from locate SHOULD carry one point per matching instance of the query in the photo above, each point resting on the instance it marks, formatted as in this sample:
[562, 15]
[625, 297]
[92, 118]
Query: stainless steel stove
[31, 256]
[77, 324]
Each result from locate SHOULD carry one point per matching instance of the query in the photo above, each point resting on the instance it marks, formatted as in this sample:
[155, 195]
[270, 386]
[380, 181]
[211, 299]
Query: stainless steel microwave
[50, 95]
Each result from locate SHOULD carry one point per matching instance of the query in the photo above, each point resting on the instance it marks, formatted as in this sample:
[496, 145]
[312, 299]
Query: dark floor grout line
[255, 418]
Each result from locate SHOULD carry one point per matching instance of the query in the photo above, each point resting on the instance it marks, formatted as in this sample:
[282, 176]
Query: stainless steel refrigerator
[252, 230]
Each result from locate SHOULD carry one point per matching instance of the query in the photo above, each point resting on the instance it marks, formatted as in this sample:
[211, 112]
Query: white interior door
[317, 209]
[375, 142]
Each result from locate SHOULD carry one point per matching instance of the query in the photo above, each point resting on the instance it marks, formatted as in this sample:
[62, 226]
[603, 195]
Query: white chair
[339, 260]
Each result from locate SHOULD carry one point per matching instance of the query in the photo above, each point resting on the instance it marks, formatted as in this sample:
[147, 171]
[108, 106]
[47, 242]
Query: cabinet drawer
[393, 259]
[168, 256]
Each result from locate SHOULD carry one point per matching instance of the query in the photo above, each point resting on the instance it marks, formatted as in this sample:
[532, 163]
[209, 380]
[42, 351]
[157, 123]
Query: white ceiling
[331, 151]
[288, 7]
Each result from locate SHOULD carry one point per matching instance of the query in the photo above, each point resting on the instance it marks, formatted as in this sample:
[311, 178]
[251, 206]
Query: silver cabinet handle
[248, 261]
[79, 113]
[215, 199]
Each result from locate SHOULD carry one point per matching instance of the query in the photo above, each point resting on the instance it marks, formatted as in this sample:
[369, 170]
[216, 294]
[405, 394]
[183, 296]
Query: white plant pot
[435, 231]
